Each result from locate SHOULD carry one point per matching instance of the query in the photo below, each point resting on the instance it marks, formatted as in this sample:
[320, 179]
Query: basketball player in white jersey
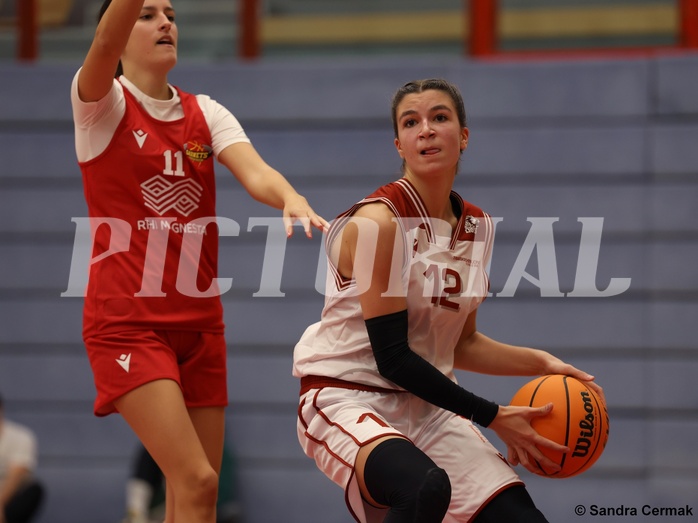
[380, 410]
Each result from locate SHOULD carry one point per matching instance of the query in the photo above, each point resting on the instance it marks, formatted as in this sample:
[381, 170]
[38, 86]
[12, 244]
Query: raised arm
[111, 36]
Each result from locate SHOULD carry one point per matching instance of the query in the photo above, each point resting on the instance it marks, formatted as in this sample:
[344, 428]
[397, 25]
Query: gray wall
[614, 139]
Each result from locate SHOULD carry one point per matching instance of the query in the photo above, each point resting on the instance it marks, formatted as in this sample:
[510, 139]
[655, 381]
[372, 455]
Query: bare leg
[209, 424]
[157, 414]
[169, 503]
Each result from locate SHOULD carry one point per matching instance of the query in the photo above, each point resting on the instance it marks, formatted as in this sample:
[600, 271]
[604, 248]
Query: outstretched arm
[97, 73]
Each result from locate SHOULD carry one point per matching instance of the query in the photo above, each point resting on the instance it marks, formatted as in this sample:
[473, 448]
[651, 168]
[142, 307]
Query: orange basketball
[579, 420]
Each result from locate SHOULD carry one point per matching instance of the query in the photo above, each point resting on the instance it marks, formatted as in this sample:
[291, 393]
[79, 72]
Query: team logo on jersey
[140, 137]
[471, 224]
[124, 361]
[197, 152]
[161, 195]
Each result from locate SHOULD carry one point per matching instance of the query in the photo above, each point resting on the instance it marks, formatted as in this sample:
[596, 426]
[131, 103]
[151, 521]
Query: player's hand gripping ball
[579, 420]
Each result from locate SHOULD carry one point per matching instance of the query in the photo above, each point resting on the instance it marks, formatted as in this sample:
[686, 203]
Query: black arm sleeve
[404, 367]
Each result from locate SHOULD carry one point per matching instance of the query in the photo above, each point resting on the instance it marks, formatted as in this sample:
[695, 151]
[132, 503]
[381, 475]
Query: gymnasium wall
[563, 143]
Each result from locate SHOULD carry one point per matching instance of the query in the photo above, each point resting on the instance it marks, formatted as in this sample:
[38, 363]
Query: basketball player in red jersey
[153, 322]
[380, 409]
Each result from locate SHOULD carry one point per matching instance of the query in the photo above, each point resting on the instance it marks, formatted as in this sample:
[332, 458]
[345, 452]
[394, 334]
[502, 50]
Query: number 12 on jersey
[452, 285]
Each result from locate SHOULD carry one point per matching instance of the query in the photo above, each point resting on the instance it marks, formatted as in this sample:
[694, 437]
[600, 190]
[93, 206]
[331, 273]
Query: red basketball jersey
[153, 266]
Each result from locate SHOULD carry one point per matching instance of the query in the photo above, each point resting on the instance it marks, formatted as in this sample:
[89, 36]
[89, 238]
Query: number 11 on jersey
[179, 161]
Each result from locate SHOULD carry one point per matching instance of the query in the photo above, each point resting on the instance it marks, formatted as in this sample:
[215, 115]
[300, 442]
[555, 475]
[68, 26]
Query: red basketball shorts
[123, 361]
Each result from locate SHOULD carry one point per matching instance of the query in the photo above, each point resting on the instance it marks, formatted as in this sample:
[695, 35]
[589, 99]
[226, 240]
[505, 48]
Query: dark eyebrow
[169, 10]
[440, 107]
[406, 113]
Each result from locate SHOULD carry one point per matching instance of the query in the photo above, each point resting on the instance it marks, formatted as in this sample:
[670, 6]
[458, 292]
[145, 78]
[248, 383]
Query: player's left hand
[560, 367]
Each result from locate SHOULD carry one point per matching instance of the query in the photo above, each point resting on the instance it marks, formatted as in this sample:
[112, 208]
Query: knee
[399, 475]
[434, 495]
[207, 485]
[201, 486]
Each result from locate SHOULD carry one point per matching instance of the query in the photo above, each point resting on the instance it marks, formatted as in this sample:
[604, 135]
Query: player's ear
[464, 138]
[399, 149]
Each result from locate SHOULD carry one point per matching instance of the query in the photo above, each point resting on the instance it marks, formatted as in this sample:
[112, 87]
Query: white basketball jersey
[444, 279]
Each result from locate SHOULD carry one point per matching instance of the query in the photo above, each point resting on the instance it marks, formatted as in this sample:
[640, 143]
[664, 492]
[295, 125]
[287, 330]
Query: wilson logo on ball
[586, 425]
